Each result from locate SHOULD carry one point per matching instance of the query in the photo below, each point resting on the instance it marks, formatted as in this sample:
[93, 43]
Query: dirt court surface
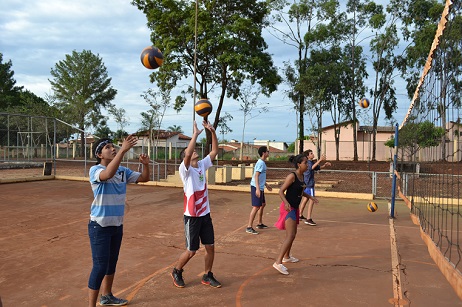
[347, 260]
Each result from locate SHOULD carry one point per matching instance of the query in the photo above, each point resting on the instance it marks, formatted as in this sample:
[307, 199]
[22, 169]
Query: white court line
[395, 268]
[370, 224]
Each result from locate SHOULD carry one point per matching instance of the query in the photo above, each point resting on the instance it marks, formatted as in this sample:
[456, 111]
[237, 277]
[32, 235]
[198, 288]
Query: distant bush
[284, 157]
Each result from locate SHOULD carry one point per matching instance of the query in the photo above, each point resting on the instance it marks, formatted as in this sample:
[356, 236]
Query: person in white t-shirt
[198, 225]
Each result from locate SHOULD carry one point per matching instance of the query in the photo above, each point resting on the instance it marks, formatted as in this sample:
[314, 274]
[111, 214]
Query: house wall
[174, 141]
[249, 152]
[346, 145]
[383, 153]
[277, 145]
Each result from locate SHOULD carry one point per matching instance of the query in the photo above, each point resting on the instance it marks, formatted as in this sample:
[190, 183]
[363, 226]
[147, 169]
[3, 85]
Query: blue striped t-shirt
[108, 204]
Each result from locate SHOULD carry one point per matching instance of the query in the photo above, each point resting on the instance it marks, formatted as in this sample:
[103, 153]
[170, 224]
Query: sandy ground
[347, 260]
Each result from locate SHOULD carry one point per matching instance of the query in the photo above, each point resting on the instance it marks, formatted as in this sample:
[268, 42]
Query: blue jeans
[105, 246]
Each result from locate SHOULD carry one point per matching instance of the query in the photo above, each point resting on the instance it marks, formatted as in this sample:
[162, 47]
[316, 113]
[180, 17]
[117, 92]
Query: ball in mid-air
[203, 107]
[151, 57]
[364, 103]
[372, 207]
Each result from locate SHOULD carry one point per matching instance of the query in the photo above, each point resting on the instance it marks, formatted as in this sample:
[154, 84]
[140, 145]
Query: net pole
[195, 62]
[393, 186]
[55, 147]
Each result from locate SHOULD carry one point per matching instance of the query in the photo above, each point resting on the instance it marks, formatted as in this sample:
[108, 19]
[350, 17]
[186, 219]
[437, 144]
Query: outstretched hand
[208, 126]
[129, 142]
[144, 159]
[196, 131]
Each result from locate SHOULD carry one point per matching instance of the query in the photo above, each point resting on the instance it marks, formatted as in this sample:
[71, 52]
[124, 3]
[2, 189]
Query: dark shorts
[310, 191]
[257, 202]
[198, 229]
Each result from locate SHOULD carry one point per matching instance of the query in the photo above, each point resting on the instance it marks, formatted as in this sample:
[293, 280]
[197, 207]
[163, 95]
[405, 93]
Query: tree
[16, 99]
[148, 122]
[9, 91]
[81, 87]
[301, 19]
[414, 136]
[103, 130]
[365, 15]
[328, 82]
[291, 148]
[384, 62]
[152, 119]
[230, 48]
[29, 103]
[420, 21]
[223, 125]
[330, 91]
[121, 119]
[175, 128]
[203, 141]
[249, 103]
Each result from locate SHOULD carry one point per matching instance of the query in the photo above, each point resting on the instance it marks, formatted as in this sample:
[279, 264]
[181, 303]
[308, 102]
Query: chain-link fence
[31, 141]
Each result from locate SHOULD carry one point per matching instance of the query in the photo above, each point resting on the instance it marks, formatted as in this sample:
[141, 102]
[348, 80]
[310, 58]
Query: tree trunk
[374, 137]
[301, 125]
[319, 129]
[337, 146]
[355, 143]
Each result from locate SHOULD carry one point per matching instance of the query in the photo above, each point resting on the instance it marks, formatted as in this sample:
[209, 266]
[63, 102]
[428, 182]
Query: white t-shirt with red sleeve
[196, 195]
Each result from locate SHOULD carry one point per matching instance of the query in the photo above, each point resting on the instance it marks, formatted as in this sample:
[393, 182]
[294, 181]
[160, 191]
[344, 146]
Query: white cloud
[36, 35]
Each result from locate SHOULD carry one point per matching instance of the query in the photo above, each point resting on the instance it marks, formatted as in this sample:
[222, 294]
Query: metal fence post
[374, 184]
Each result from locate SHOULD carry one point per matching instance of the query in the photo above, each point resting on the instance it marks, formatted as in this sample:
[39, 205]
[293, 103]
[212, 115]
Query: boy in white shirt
[197, 221]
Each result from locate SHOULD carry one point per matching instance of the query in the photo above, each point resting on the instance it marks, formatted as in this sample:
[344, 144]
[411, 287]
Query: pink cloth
[281, 222]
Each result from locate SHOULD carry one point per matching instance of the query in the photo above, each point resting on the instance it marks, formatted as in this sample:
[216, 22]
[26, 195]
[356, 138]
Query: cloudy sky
[35, 35]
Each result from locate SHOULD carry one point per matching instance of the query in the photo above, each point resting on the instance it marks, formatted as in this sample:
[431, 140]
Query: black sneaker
[177, 276]
[302, 217]
[310, 222]
[251, 231]
[261, 226]
[209, 280]
[111, 300]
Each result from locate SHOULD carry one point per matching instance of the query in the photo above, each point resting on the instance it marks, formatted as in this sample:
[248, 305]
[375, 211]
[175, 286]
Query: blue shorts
[309, 191]
[257, 202]
[292, 214]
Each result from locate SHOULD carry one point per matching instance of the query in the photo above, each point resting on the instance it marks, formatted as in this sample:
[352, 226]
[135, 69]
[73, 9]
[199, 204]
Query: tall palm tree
[175, 128]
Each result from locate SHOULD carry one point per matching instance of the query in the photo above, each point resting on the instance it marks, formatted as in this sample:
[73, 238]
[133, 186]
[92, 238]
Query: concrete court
[347, 260]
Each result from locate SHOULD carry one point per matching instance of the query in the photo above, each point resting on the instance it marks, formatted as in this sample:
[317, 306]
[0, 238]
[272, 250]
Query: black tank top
[294, 192]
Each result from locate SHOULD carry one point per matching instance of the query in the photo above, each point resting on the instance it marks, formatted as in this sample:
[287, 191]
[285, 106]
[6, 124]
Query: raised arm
[213, 153]
[322, 158]
[112, 167]
[144, 159]
[191, 146]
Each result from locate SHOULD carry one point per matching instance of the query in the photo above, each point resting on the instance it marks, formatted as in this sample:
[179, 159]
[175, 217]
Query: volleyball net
[430, 136]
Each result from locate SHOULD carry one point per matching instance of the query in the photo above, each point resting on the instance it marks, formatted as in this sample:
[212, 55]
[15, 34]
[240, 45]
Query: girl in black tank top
[291, 193]
[294, 192]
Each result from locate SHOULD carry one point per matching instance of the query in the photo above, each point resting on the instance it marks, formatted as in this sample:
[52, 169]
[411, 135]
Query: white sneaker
[281, 268]
[290, 259]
